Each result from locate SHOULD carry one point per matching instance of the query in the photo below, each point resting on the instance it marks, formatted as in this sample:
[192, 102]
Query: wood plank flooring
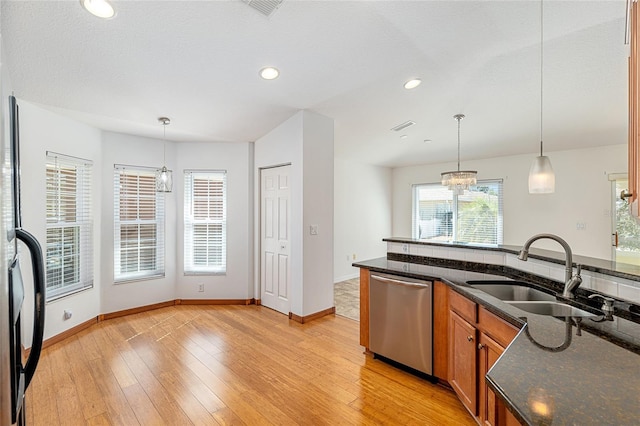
[210, 365]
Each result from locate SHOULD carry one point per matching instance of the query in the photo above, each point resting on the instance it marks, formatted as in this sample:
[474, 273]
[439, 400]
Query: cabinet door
[463, 361]
[489, 352]
[634, 111]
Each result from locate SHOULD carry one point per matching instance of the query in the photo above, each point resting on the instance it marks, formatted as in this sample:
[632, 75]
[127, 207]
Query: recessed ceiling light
[404, 137]
[100, 8]
[412, 84]
[269, 73]
[427, 141]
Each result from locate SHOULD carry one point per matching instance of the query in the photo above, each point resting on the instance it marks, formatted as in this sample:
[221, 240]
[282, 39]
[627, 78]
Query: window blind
[138, 224]
[69, 246]
[205, 222]
[473, 217]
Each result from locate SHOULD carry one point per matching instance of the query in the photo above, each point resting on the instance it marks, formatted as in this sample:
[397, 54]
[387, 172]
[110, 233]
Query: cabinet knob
[480, 346]
[470, 338]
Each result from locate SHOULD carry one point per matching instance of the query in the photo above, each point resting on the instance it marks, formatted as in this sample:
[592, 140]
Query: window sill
[135, 279]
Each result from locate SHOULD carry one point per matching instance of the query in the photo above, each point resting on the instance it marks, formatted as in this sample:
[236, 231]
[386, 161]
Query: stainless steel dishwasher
[401, 320]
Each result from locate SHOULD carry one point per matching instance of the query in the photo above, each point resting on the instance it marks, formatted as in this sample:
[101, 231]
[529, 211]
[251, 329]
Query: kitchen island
[561, 371]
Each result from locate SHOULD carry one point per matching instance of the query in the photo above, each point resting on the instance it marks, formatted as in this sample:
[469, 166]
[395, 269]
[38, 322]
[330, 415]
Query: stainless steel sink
[506, 290]
[555, 309]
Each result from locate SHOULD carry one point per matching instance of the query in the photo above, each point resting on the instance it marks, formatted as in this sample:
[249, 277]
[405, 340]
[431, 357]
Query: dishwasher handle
[399, 282]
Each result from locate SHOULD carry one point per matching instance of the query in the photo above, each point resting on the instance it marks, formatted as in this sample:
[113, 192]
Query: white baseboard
[346, 277]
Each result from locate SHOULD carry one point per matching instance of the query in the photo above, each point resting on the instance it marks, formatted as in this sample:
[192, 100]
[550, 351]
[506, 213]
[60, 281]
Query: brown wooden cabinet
[488, 354]
[634, 112]
[440, 331]
[477, 338]
[463, 361]
[364, 308]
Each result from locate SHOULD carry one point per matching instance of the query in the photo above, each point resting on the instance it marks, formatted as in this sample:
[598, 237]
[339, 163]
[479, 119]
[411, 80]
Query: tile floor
[347, 298]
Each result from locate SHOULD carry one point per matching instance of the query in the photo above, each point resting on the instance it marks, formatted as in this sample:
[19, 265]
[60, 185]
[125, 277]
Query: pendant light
[542, 180]
[164, 177]
[458, 181]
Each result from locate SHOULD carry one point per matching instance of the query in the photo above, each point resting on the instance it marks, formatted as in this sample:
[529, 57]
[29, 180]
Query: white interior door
[275, 264]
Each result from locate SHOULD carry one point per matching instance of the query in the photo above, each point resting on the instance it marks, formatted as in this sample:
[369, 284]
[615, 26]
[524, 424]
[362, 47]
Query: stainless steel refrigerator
[16, 369]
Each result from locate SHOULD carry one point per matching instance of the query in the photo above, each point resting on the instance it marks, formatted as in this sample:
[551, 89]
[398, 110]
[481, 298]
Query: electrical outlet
[405, 248]
[313, 229]
[581, 226]
[201, 288]
[67, 314]
[354, 256]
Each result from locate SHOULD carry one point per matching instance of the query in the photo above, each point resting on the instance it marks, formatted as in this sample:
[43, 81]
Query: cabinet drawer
[463, 306]
[496, 328]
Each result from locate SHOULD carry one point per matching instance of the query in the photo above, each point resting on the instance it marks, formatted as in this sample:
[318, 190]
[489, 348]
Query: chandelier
[460, 180]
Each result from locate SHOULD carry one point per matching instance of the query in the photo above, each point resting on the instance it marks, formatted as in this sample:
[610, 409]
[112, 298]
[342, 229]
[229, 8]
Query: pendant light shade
[164, 176]
[542, 179]
[459, 180]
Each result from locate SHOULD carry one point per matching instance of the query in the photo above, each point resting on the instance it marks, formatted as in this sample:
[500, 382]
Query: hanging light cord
[541, 73]
[164, 143]
[458, 118]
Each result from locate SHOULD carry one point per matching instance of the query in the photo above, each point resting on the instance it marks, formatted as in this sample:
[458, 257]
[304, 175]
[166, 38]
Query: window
[138, 224]
[205, 222]
[69, 252]
[626, 236]
[474, 217]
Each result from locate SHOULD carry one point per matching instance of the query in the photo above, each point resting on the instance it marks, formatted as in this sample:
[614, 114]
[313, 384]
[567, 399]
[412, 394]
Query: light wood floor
[228, 365]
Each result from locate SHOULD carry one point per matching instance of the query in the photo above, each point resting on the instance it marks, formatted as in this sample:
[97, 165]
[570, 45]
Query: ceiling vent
[266, 7]
[403, 126]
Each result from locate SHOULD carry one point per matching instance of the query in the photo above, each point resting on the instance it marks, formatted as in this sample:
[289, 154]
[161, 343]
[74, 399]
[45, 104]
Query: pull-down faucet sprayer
[571, 282]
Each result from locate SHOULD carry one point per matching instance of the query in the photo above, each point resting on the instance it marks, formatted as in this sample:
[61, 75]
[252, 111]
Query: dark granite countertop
[617, 269]
[592, 380]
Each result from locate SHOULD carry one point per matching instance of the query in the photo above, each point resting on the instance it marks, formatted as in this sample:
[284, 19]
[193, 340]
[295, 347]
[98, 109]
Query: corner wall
[42, 131]
[318, 210]
[118, 148]
[232, 157]
[362, 215]
[283, 145]
[306, 142]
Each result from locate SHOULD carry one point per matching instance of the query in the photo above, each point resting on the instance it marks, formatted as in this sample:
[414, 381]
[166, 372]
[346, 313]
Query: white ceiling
[197, 62]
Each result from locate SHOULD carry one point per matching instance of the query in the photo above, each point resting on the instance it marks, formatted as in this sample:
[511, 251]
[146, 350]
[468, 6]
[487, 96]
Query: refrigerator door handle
[39, 295]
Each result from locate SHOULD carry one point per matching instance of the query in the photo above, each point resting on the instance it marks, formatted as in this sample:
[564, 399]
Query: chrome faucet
[571, 282]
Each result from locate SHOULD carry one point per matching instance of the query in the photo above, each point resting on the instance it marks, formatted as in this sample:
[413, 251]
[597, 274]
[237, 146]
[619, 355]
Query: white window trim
[190, 222]
[84, 223]
[159, 271]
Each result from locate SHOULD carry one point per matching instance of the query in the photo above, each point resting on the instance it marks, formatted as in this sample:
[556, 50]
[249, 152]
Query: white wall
[306, 142]
[130, 150]
[283, 145]
[583, 194]
[362, 215]
[42, 131]
[317, 210]
[237, 283]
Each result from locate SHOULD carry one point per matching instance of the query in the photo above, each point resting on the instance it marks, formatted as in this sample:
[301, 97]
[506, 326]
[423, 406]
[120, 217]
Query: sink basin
[554, 309]
[512, 290]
